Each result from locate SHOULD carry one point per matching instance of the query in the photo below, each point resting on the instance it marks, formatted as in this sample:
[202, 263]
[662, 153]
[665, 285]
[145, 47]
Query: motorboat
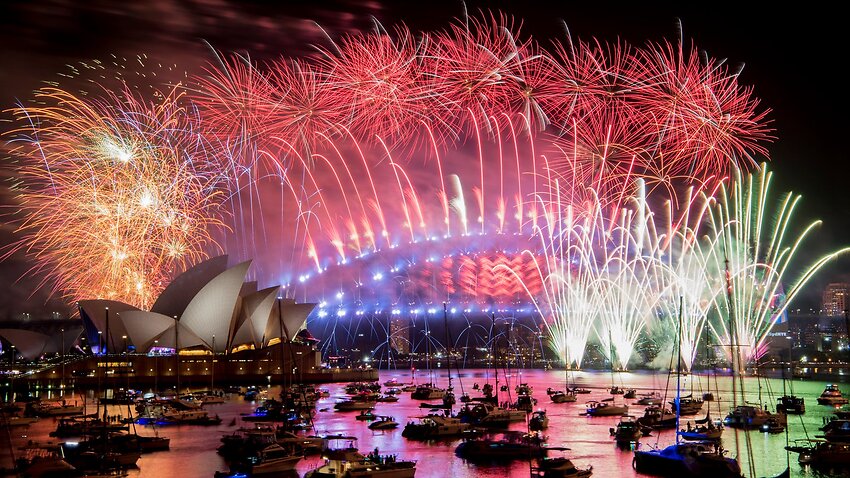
[538, 421]
[630, 393]
[393, 382]
[689, 405]
[791, 405]
[366, 415]
[348, 462]
[657, 418]
[691, 459]
[837, 431]
[16, 421]
[615, 390]
[489, 415]
[351, 405]
[270, 460]
[511, 446]
[628, 431]
[832, 396]
[579, 390]
[559, 467]
[75, 427]
[427, 392]
[53, 409]
[751, 416]
[525, 402]
[435, 426]
[773, 425]
[383, 423]
[44, 460]
[821, 453]
[387, 398]
[605, 408]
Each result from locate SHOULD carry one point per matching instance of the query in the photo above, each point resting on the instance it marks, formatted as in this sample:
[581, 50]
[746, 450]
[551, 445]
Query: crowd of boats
[276, 435]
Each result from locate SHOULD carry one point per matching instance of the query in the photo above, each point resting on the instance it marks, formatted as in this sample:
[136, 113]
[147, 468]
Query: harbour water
[193, 448]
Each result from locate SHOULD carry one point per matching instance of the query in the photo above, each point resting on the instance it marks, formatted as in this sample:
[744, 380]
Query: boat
[628, 431]
[511, 446]
[16, 421]
[435, 426]
[350, 405]
[751, 416]
[538, 421]
[45, 460]
[525, 403]
[579, 390]
[489, 415]
[408, 388]
[559, 467]
[75, 427]
[657, 418]
[791, 405]
[121, 397]
[348, 462]
[366, 415]
[387, 398]
[691, 459]
[563, 397]
[53, 409]
[708, 397]
[272, 459]
[630, 393]
[653, 398]
[832, 396]
[211, 400]
[837, 431]
[772, 425]
[703, 430]
[605, 408]
[615, 390]
[383, 423]
[393, 382]
[427, 392]
[821, 453]
[689, 405]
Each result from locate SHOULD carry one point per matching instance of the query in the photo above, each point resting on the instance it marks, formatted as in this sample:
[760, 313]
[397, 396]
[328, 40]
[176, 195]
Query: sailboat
[607, 407]
[567, 395]
[692, 459]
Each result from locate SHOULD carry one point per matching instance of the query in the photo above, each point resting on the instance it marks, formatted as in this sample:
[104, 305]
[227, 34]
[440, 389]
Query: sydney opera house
[222, 328]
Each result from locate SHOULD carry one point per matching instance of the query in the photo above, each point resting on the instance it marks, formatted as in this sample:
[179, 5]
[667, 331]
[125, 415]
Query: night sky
[793, 59]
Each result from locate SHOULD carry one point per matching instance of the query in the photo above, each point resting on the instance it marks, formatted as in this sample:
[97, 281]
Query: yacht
[750, 416]
[271, 459]
[435, 426]
[347, 462]
[53, 409]
[628, 431]
[563, 397]
[559, 467]
[694, 460]
[791, 404]
[837, 431]
[538, 421]
[605, 408]
[832, 396]
[427, 392]
[383, 423]
[689, 404]
[657, 418]
[350, 405]
[489, 415]
[819, 453]
[512, 446]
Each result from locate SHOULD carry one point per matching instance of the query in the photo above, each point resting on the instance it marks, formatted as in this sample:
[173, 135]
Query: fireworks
[116, 193]
[469, 165]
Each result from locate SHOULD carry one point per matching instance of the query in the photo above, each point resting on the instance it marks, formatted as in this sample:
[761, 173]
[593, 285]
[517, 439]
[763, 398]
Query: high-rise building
[400, 335]
[836, 298]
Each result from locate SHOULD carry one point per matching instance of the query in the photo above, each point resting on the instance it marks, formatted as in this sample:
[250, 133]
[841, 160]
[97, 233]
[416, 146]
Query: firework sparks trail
[753, 243]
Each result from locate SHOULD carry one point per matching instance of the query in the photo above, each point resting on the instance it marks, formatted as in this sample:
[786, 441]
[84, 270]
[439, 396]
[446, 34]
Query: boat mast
[678, 369]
